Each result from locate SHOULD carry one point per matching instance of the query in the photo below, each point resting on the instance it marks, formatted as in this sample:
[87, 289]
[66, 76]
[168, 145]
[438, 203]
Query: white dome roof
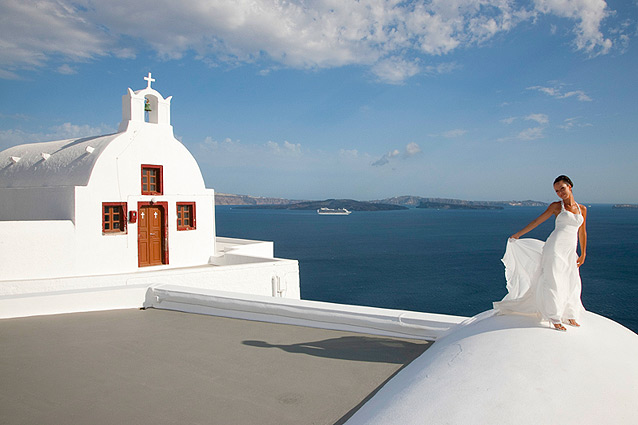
[58, 163]
[513, 370]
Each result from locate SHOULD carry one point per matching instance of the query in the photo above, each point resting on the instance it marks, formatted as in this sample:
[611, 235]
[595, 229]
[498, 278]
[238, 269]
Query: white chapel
[132, 202]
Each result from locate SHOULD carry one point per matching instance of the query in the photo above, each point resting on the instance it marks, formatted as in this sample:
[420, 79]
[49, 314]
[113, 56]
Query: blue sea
[436, 261]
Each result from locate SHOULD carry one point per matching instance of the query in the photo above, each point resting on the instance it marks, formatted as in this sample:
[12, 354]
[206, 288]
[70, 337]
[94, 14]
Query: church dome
[512, 370]
[48, 164]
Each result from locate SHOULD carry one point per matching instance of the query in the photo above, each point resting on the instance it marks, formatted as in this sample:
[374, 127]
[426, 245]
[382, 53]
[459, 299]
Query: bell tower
[145, 106]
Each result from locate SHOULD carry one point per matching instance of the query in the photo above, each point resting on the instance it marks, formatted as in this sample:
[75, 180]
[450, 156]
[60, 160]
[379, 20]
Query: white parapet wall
[360, 319]
[269, 278]
[369, 320]
[247, 247]
[72, 301]
[246, 267]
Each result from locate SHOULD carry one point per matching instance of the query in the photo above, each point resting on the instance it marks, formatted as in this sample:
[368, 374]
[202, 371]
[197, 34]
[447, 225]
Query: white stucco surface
[225, 303]
[68, 162]
[315, 314]
[266, 276]
[511, 370]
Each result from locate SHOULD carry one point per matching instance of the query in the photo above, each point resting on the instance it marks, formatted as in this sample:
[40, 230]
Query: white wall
[36, 249]
[118, 253]
[116, 178]
[37, 203]
[247, 276]
[246, 247]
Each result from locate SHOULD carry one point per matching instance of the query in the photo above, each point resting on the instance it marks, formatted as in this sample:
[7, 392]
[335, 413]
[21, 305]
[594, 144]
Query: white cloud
[210, 143]
[13, 137]
[442, 68]
[8, 75]
[385, 158]
[589, 14]
[70, 131]
[579, 94]
[395, 39]
[233, 154]
[286, 148]
[539, 118]
[570, 123]
[273, 146]
[395, 70]
[292, 147]
[451, 134]
[348, 153]
[66, 70]
[558, 93]
[412, 149]
[226, 146]
[32, 32]
[531, 133]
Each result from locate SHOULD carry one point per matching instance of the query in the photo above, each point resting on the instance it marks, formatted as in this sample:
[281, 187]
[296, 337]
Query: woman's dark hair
[563, 178]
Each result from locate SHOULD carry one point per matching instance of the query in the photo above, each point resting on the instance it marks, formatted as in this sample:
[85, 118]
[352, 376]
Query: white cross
[155, 214]
[142, 214]
[150, 80]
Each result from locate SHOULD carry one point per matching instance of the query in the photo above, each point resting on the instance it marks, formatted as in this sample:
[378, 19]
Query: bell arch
[145, 106]
[151, 104]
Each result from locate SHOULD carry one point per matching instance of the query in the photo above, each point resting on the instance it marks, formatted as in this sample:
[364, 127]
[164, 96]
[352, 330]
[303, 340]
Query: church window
[152, 183]
[114, 217]
[185, 215]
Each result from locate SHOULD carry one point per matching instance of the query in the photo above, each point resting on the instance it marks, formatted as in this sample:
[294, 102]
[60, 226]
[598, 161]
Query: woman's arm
[553, 209]
[582, 237]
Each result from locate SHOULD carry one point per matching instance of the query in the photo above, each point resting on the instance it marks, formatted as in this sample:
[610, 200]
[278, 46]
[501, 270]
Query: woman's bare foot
[559, 327]
[573, 322]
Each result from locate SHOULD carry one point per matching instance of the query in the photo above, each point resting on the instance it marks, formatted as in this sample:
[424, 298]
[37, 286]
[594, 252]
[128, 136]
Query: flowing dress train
[543, 277]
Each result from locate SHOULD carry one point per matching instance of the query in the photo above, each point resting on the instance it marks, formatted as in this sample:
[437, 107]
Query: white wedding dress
[542, 277]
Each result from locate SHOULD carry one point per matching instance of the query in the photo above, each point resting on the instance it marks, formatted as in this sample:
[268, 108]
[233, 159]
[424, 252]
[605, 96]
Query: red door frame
[163, 205]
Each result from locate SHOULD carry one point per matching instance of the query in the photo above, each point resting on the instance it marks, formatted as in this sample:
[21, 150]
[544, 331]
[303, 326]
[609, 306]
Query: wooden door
[150, 236]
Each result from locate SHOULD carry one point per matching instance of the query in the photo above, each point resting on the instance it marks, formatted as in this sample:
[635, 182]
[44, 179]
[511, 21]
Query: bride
[542, 277]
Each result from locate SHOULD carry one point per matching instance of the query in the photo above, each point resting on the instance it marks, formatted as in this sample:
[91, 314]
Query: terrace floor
[166, 367]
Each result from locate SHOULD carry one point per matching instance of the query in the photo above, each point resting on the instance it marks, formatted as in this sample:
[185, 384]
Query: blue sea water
[436, 261]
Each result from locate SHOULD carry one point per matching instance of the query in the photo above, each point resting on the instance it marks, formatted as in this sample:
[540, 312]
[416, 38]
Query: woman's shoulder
[554, 206]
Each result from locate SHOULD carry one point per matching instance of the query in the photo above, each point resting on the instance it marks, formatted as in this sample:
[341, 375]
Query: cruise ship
[333, 211]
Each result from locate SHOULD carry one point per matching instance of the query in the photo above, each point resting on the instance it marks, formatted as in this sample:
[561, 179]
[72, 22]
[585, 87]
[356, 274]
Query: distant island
[394, 203]
[348, 204]
[626, 206]
[444, 206]
[229, 199]
[447, 203]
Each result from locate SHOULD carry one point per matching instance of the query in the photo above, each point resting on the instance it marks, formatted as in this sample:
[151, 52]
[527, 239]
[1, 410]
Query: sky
[466, 99]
